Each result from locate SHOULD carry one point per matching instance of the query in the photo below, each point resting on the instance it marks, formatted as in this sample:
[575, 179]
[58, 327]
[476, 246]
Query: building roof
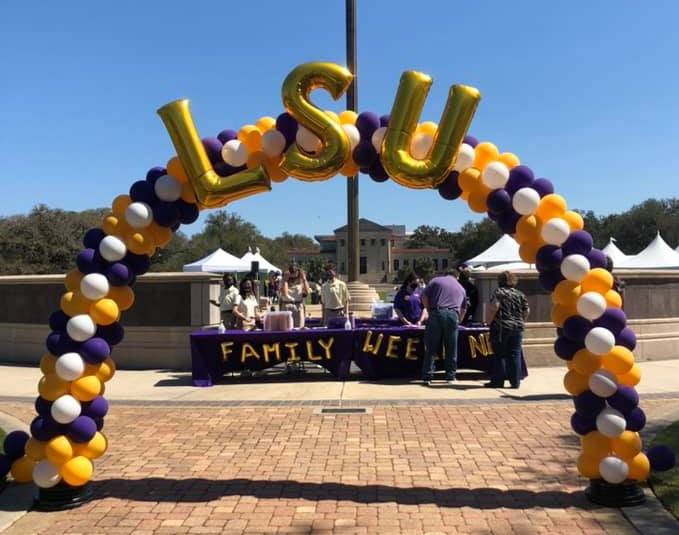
[365, 225]
[324, 237]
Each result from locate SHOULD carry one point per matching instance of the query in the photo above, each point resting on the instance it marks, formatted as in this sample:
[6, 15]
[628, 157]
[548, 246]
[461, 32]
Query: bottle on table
[347, 324]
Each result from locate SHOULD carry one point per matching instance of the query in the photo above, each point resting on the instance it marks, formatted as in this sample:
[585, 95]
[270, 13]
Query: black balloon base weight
[624, 494]
[62, 497]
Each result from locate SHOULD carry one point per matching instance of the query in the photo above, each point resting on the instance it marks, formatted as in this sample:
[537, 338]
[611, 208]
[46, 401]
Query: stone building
[382, 254]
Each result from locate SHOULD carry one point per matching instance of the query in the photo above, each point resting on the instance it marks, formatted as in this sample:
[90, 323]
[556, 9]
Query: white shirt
[228, 298]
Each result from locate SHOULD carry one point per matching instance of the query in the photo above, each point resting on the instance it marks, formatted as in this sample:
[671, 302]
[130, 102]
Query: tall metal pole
[353, 250]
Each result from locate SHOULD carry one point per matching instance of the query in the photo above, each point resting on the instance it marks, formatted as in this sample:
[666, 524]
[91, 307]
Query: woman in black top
[511, 310]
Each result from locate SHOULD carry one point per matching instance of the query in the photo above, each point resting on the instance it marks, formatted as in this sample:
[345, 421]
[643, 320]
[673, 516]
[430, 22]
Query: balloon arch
[310, 144]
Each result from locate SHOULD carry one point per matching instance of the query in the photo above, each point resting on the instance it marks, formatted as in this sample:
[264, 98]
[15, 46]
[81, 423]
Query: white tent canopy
[656, 255]
[510, 266]
[218, 262]
[503, 251]
[264, 264]
[614, 252]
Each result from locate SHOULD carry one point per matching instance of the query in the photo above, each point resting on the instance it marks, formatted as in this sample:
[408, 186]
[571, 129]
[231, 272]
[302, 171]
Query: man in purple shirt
[445, 300]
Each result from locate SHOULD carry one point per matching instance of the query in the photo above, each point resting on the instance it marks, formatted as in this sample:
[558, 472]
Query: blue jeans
[507, 351]
[441, 330]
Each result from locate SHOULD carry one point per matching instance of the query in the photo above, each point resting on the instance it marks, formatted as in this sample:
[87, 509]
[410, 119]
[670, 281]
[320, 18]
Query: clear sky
[584, 92]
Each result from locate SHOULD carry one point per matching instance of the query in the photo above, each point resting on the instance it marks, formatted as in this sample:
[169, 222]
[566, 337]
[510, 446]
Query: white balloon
[574, 267]
[112, 248]
[139, 214]
[273, 143]
[555, 231]
[81, 327]
[45, 474]
[603, 383]
[591, 305]
[613, 469]
[168, 188]
[235, 153]
[610, 423]
[495, 175]
[599, 341]
[65, 409]
[70, 366]
[353, 134]
[378, 138]
[308, 141]
[94, 286]
[420, 145]
[526, 201]
[465, 157]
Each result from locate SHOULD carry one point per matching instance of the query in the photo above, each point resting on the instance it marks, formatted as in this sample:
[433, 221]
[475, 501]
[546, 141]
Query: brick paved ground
[424, 469]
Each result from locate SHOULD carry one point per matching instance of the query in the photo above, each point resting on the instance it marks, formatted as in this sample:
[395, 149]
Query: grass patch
[666, 484]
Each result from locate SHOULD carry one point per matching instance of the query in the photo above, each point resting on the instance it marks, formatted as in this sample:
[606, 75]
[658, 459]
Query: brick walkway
[422, 469]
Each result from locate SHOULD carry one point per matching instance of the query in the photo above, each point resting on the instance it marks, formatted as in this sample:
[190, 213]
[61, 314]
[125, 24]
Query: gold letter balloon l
[212, 190]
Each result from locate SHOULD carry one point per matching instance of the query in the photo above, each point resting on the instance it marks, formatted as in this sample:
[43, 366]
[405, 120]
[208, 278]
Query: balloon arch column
[310, 144]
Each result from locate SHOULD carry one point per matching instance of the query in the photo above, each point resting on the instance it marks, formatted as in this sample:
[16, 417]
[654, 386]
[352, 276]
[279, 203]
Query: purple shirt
[444, 292]
[410, 305]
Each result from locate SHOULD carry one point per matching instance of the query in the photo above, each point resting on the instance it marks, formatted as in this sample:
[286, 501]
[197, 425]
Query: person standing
[247, 311]
[408, 302]
[228, 299]
[510, 310]
[445, 299]
[465, 279]
[334, 296]
[294, 290]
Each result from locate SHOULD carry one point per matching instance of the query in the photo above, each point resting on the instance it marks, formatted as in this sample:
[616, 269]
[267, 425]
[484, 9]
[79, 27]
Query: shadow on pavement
[538, 397]
[205, 490]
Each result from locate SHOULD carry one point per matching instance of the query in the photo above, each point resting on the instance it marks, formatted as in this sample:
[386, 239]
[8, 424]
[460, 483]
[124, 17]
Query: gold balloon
[212, 190]
[457, 115]
[336, 149]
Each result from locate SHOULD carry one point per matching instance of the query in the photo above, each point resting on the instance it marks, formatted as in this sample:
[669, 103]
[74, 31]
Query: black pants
[507, 351]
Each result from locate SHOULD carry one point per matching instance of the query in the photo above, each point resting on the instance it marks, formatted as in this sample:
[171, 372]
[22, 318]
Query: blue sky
[584, 92]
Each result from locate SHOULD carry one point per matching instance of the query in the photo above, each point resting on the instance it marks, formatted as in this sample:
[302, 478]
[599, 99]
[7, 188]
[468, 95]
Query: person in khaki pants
[293, 292]
[334, 296]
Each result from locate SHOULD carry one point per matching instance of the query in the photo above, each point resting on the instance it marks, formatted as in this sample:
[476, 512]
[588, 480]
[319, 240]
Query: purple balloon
[93, 237]
[224, 169]
[613, 319]
[90, 261]
[543, 186]
[549, 257]
[42, 406]
[498, 201]
[118, 274]
[624, 400]
[15, 444]
[636, 419]
[166, 214]
[188, 213]
[507, 221]
[493, 216]
[377, 172]
[142, 191]
[227, 135]
[576, 328]
[597, 259]
[113, 334]
[565, 348]
[364, 154]
[155, 173]
[520, 176]
[662, 458]
[582, 424]
[58, 343]
[5, 465]
[138, 263]
[97, 408]
[578, 242]
[213, 149]
[588, 404]
[550, 278]
[44, 428]
[82, 429]
[470, 140]
[58, 320]
[95, 350]
[100, 423]
[366, 123]
[287, 125]
[626, 338]
[384, 119]
[449, 189]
